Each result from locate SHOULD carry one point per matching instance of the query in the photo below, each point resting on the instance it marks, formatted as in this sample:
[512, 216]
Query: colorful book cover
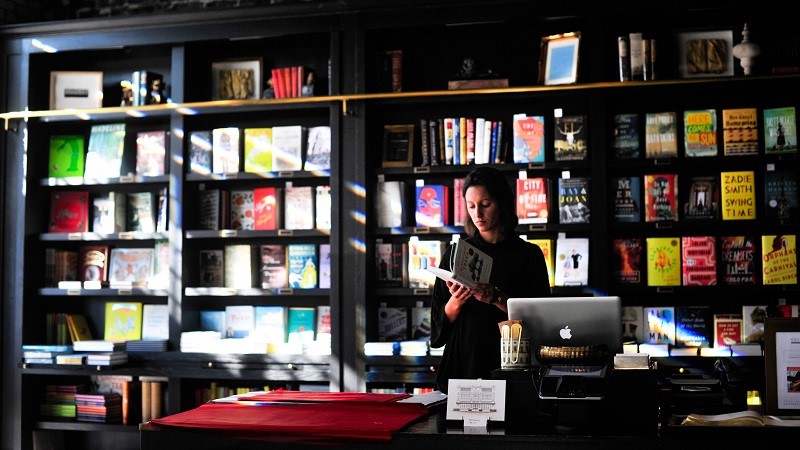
[258, 150]
[151, 153]
[727, 330]
[93, 260]
[392, 324]
[213, 320]
[699, 260]
[324, 266]
[211, 273]
[390, 204]
[238, 266]
[270, 323]
[300, 324]
[225, 150]
[266, 208]
[303, 264]
[571, 141]
[740, 131]
[660, 324]
[200, 152]
[661, 197]
[738, 192]
[421, 254]
[546, 245]
[626, 141]
[633, 325]
[693, 326]
[322, 207]
[123, 321]
[627, 254]
[104, 154]
[459, 204]
[318, 149]
[528, 138]
[627, 198]
[131, 265]
[754, 319]
[240, 321]
[661, 135]
[67, 156]
[287, 147]
[298, 207]
[780, 131]
[274, 269]
[781, 202]
[391, 264]
[323, 323]
[779, 259]
[69, 212]
[702, 197]
[532, 200]
[738, 256]
[663, 261]
[700, 132]
[139, 212]
[574, 200]
[572, 262]
[432, 205]
[420, 323]
[242, 209]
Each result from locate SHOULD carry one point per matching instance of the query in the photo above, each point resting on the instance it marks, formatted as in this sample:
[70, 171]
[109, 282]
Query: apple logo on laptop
[565, 333]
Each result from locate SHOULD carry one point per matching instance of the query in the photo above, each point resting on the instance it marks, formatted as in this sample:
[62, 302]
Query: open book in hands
[470, 266]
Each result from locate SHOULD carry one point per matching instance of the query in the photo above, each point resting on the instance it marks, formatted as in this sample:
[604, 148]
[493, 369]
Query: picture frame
[239, 79]
[782, 366]
[76, 89]
[705, 53]
[559, 58]
[398, 145]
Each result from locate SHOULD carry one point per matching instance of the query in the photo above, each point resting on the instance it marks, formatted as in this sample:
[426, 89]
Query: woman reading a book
[466, 320]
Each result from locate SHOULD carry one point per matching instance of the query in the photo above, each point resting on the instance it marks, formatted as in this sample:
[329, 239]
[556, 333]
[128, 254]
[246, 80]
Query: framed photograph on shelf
[705, 53]
[236, 79]
[559, 60]
[69, 89]
[398, 145]
[782, 360]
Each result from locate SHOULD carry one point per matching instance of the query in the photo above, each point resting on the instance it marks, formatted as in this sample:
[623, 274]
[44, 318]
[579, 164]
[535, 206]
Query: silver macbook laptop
[569, 322]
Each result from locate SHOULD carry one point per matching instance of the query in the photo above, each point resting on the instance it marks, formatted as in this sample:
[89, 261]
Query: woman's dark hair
[500, 190]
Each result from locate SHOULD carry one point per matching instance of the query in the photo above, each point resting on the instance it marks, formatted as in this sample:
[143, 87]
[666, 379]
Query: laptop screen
[569, 322]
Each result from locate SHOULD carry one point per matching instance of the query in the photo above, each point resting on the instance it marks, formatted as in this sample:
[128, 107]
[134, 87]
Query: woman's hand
[485, 293]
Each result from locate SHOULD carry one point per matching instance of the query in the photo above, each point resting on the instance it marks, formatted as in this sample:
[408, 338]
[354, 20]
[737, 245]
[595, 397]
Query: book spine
[624, 56]
[647, 60]
[637, 58]
[425, 145]
[147, 400]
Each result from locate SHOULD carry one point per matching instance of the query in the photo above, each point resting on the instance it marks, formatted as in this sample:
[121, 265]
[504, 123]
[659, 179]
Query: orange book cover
[266, 208]
[532, 200]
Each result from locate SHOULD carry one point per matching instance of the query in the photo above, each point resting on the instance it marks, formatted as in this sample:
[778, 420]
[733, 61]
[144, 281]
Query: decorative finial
[746, 51]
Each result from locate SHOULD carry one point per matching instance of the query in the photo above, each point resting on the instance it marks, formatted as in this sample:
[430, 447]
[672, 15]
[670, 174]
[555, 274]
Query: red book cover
[627, 260]
[293, 82]
[459, 204]
[432, 205]
[286, 73]
[532, 200]
[277, 83]
[94, 263]
[661, 197]
[699, 260]
[727, 329]
[69, 212]
[266, 208]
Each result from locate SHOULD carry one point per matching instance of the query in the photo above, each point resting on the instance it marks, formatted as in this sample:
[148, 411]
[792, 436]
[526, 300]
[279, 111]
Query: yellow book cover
[779, 259]
[78, 328]
[258, 150]
[738, 195]
[740, 131]
[547, 248]
[123, 321]
[663, 261]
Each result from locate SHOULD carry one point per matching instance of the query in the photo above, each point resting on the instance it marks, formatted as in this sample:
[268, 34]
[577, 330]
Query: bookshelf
[335, 40]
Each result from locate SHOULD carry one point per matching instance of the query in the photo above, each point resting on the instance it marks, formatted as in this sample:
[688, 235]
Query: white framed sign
[475, 402]
[76, 90]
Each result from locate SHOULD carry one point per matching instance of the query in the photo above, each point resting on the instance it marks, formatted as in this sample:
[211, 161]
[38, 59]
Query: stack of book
[99, 407]
[43, 354]
[106, 358]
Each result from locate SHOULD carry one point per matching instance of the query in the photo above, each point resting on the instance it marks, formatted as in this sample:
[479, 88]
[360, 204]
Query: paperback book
[274, 270]
[432, 205]
[738, 256]
[754, 320]
[298, 204]
[627, 260]
[663, 261]
[287, 147]
[702, 197]
[324, 266]
[661, 135]
[727, 330]
[660, 324]
[303, 266]
[392, 324]
[267, 208]
[779, 259]
[139, 212]
[574, 200]
[572, 262]
[240, 321]
[699, 260]
[633, 324]
[571, 141]
[780, 131]
[693, 326]
[738, 194]
[626, 141]
[700, 132]
[661, 197]
[627, 198]
[270, 323]
[469, 266]
[532, 200]
[300, 324]
[528, 138]
[782, 204]
[242, 209]
[740, 131]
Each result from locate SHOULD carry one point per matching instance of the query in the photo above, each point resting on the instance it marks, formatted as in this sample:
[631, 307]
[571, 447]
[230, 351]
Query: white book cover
[421, 255]
[318, 150]
[238, 272]
[324, 323]
[287, 147]
[298, 203]
[469, 266]
[131, 265]
[104, 152]
[240, 320]
[390, 203]
[324, 266]
[242, 209]
[270, 323]
[225, 150]
[572, 262]
[155, 322]
[322, 207]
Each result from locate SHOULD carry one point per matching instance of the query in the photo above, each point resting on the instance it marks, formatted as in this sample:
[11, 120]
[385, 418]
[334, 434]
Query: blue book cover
[212, 320]
[303, 266]
[270, 323]
[300, 324]
[627, 192]
[432, 205]
[626, 141]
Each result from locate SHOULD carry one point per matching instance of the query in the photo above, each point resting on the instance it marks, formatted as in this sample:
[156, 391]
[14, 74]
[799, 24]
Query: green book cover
[700, 132]
[780, 131]
[66, 156]
[300, 324]
[104, 156]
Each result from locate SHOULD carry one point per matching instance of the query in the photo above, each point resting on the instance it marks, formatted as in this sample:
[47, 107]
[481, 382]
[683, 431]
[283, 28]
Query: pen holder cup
[515, 353]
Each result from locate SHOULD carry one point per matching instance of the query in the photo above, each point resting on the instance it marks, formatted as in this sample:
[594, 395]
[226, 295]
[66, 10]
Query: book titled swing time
[470, 266]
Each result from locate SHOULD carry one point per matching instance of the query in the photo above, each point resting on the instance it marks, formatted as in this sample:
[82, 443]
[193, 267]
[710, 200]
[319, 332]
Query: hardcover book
[274, 267]
[391, 264]
[392, 323]
[139, 212]
[661, 135]
[572, 262]
[131, 266]
[389, 204]
[693, 326]
[151, 153]
[238, 266]
[66, 156]
[210, 209]
[532, 200]
[155, 322]
[571, 141]
[459, 204]
[633, 324]
[661, 197]
[240, 321]
[432, 205]
[79, 328]
[738, 195]
[104, 154]
[738, 256]
[200, 152]
[754, 319]
[267, 208]
[242, 209]
[740, 131]
[700, 132]
[663, 261]
[528, 138]
[626, 141]
[469, 266]
[727, 330]
[421, 255]
[780, 131]
[270, 323]
[547, 247]
[627, 254]
[109, 212]
[300, 324]
[69, 212]
[213, 320]
[258, 150]
[322, 207]
[298, 203]
[123, 321]
[324, 266]
[781, 200]
[574, 201]
[94, 263]
[318, 149]
[699, 260]
[660, 324]
[702, 197]
[287, 147]
[779, 259]
[303, 266]
[211, 267]
[225, 150]
[627, 198]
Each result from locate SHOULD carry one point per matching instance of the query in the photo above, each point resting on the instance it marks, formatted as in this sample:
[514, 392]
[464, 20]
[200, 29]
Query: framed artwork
[782, 360]
[560, 58]
[398, 145]
[77, 90]
[705, 53]
[236, 79]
